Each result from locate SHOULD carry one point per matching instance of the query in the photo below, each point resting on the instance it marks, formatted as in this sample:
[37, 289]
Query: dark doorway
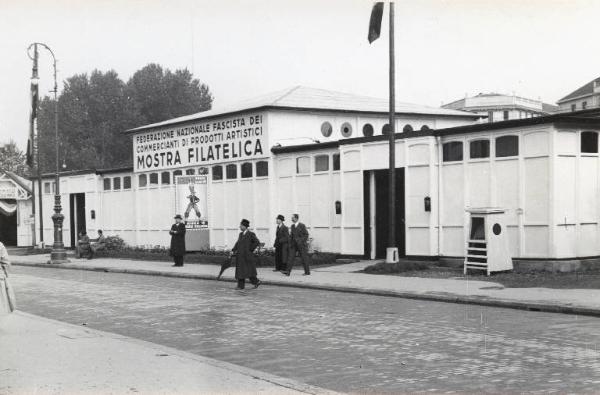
[381, 223]
[8, 225]
[77, 215]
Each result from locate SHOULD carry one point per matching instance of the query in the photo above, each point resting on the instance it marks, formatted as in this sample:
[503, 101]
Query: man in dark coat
[246, 261]
[177, 233]
[298, 243]
[282, 238]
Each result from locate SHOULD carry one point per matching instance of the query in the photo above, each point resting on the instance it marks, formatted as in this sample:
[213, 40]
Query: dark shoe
[276, 270]
[239, 289]
[257, 284]
[306, 274]
[285, 273]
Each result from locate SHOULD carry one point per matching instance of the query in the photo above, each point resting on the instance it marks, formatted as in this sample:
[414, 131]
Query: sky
[540, 49]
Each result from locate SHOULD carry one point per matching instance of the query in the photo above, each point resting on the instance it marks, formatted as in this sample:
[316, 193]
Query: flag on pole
[32, 122]
[375, 22]
[34, 108]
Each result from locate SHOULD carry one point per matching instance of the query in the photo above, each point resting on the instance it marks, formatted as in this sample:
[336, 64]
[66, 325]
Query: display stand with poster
[191, 197]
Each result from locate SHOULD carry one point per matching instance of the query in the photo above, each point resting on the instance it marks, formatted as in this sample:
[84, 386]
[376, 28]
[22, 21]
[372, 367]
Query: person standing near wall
[282, 238]
[246, 261]
[7, 297]
[177, 233]
[298, 243]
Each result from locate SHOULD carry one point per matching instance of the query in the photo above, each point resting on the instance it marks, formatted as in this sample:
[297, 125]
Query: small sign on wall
[191, 202]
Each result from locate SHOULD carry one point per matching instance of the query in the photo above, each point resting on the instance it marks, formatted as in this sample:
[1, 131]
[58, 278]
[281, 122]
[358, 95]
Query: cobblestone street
[344, 342]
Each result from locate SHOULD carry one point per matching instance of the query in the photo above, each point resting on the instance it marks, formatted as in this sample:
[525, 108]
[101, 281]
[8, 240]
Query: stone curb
[254, 374]
[431, 296]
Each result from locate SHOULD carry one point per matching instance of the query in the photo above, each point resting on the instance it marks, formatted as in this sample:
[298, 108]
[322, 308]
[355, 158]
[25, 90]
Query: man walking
[298, 243]
[177, 233]
[246, 261]
[282, 238]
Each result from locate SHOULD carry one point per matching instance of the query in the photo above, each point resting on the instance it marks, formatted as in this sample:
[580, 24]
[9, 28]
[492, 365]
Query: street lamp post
[58, 254]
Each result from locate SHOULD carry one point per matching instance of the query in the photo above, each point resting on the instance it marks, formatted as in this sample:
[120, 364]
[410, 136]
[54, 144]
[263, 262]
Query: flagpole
[392, 250]
[31, 145]
[33, 154]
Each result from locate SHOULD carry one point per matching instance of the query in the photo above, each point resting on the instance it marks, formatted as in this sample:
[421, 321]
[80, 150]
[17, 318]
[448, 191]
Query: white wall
[577, 197]
[520, 184]
[287, 125]
[230, 200]
[312, 196]
[25, 225]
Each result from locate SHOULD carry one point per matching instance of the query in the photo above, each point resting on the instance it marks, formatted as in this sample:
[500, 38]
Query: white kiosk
[486, 247]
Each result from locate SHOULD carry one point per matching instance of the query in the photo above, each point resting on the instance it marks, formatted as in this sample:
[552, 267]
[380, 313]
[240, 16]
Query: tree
[160, 95]
[95, 110]
[13, 159]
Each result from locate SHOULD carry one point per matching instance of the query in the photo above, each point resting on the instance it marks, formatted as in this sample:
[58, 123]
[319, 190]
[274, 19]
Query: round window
[386, 129]
[326, 129]
[497, 229]
[346, 129]
[368, 130]
[425, 128]
[407, 128]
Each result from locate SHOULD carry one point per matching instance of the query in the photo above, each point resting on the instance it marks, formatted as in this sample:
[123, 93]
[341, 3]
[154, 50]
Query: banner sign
[201, 143]
[191, 196]
[8, 190]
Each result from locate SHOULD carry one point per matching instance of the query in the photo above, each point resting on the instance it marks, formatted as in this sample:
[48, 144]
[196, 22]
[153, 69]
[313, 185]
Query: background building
[584, 97]
[544, 171]
[498, 107]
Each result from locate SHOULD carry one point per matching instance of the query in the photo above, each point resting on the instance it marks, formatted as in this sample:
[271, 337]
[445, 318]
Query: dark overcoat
[246, 261]
[177, 233]
[282, 239]
[299, 236]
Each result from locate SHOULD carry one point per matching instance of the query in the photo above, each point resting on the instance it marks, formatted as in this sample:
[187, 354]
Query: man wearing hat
[246, 261]
[282, 238]
[177, 233]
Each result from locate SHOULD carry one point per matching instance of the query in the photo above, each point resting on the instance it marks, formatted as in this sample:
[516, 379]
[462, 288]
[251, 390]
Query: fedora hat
[245, 223]
[281, 217]
[178, 217]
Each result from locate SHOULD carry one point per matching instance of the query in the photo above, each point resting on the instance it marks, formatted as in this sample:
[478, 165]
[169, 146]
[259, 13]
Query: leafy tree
[161, 95]
[95, 110]
[13, 159]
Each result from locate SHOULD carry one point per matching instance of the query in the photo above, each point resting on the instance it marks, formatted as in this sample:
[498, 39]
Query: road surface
[340, 341]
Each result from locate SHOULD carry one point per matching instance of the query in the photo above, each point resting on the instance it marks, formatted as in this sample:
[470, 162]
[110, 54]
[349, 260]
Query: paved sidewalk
[42, 356]
[344, 278]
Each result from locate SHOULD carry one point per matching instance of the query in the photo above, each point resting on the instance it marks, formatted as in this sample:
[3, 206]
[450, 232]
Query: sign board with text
[201, 143]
